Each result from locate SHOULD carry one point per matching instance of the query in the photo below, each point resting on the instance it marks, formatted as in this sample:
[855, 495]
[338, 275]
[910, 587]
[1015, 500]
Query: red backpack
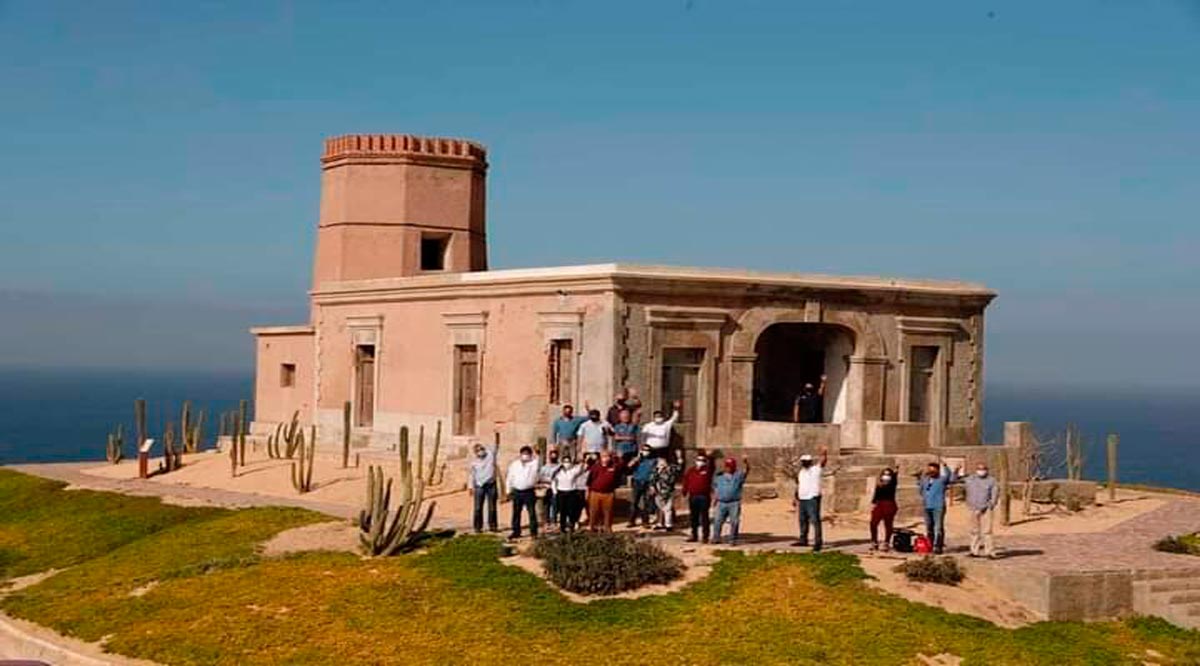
[922, 545]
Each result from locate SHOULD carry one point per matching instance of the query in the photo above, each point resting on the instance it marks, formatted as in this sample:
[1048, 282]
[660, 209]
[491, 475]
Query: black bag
[902, 541]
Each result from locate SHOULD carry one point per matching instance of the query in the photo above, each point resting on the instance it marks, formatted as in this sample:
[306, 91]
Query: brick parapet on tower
[438, 151]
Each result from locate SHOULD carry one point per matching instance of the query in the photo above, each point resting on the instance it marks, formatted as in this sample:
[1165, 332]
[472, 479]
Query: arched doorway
[791, 355]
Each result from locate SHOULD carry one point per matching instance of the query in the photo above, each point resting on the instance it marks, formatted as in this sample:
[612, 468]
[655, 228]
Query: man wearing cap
[808, 494]
[729, 486]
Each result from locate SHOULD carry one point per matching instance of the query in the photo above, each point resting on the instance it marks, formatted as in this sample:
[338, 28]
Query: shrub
[604, 563]
[941, 570]
[1186, 544]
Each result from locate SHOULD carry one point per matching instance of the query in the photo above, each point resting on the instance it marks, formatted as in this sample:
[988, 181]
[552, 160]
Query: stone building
[410, 327]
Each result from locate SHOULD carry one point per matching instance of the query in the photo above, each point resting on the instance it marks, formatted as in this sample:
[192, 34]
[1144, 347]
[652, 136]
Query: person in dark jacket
[883, 508]
[641, 483]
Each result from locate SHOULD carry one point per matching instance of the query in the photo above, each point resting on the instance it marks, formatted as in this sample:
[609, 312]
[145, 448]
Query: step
[1178, 585]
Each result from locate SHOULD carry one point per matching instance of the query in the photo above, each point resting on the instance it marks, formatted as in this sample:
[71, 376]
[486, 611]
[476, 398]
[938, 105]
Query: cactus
[284, 442]
[406, 529]
[1074, 445]
[1111, 445]
[172, 450]
[437, 442]
[235, 426]
[302, 468]
[115, 450]
[185, 426]
[139, 422]
[346, 434]
[243, 426]
[197, 433]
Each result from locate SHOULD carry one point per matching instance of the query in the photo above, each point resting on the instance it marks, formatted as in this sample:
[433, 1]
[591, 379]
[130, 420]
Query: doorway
[466, 388]
[790, 356]
[681, 368]
[921, 383]
[364, 386]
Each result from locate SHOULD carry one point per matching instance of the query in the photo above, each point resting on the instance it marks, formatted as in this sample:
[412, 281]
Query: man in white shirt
[808, 494]
[594, 433]
[657, 433]
[521, 480]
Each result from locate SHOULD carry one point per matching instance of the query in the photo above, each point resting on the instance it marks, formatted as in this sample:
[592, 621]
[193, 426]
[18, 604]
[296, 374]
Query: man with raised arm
[657, 433]
[808, 496]
[932, 485]
[481, 482]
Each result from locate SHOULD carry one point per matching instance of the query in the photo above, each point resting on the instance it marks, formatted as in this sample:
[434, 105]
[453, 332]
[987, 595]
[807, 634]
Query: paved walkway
[72, 473]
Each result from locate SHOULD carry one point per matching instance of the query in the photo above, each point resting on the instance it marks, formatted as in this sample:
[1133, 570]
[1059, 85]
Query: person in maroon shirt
[697, 487]
[604, 477]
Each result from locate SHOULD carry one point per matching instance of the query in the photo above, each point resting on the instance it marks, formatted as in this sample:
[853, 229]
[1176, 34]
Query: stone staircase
[1173, 595]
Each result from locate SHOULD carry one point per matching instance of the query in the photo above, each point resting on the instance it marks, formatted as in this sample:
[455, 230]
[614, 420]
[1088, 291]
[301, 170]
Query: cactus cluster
[302, 468]
[115, 450]
[191, 430]
[287, 437]
[405, 530]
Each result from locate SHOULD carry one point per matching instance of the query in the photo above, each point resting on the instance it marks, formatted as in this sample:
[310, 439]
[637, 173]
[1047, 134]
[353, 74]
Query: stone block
[894, 437]
[1065, 491]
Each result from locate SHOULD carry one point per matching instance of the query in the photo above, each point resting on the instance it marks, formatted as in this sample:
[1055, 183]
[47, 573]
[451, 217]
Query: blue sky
[160, 159]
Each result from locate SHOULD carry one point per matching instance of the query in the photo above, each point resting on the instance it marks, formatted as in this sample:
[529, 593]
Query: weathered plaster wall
[272, 402]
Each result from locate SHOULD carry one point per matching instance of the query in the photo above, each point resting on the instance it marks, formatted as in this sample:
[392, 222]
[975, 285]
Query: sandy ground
[336, 535]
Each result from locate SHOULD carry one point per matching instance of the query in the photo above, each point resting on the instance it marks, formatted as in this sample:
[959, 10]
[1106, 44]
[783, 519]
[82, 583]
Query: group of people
[590, 457]
[982, 494]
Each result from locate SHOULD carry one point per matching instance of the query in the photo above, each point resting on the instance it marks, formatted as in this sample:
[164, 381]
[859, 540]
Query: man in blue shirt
[729, 486]
[564, 431]
[932, 485]
[641, 481]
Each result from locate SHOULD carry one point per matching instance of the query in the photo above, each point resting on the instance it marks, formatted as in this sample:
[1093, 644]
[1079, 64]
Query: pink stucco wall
[272, 402]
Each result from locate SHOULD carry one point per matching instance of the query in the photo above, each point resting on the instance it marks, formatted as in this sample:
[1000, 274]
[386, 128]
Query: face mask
[981, 473]
[885, 479]
[701, 462]
[481, 454]
[659, 420]
[526, 458]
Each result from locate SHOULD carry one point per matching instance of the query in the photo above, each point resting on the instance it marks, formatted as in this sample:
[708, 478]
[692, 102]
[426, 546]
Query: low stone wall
[808, 437]
[893, 437]
[1058, 595]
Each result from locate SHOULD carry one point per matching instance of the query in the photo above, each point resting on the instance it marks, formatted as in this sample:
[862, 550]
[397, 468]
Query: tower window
[287, 375]
[433, 252]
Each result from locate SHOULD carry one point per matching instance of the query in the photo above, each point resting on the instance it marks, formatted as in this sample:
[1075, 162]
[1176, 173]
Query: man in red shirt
[603, 479]
[697, 487]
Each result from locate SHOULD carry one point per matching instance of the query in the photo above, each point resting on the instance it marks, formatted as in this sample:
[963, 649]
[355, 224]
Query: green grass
[218, 602]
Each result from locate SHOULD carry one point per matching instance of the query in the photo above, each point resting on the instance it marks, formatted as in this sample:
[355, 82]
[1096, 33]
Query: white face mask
[981, 473]
[526, 457]
[659, 420]
[701, 462]
[885, 478]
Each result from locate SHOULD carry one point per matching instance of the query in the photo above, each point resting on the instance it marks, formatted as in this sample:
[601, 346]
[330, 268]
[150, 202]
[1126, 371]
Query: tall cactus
[346, 434]
[172, 449]
[115, 450]
[302, 468]
[243, 426]
[139, 423]
[185, 426]
[437, 442]
[234, 434]
[406, 529]
[198, 432]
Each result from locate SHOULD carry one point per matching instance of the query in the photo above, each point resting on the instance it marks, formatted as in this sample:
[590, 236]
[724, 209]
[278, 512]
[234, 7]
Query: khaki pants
[981, 532]
[600, 508]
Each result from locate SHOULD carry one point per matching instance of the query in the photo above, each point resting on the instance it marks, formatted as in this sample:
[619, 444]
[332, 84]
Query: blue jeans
[641, 504]
[731, 511]
[810, 513]
[935, 527]
[486, 492]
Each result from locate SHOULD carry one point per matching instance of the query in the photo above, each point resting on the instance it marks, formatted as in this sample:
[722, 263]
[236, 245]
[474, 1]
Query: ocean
[60, 415]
